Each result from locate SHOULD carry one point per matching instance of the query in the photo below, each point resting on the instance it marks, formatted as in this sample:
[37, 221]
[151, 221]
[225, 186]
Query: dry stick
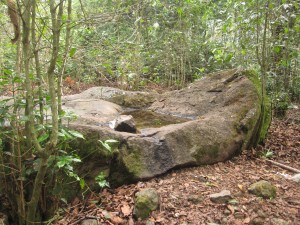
[283, 166]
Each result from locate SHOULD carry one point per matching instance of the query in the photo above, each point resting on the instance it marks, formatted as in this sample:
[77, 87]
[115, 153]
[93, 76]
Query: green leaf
[105, 145]
[76, 134]
[111, 141]
[82, 183]
[76, 160]
[43, 137]
[145, 69]
[61, 164]
[64, 200]
[228, 58]
[60, 134]
[74, 175]
[72, 52]
[180, 11]
[7, 72]
[277, 49]
[286, 30]
[17, 79]
[101, 180]
[66, 134]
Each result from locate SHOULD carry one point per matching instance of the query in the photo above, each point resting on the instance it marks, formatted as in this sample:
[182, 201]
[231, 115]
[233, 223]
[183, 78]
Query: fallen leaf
[241, 187]
[126, 210]
[130, 221]
[231, 208]
[247, 220]
[116, 220]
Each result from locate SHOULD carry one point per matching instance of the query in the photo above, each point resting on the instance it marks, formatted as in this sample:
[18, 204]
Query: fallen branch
[291, 169]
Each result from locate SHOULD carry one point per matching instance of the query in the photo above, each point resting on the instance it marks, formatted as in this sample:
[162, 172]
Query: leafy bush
[281, 102]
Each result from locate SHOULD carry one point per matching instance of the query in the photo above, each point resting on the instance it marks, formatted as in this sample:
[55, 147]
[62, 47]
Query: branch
[291, 169]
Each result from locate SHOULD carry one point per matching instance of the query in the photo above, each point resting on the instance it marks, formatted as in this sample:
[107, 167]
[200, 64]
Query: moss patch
[206, 154]
[132, 160]
[139, 100]
[263, 189]
[146, 201]
[265, 111]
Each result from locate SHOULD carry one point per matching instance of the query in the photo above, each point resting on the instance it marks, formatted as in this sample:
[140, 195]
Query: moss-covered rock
[132, 159]
[263, 189]
[146, 201]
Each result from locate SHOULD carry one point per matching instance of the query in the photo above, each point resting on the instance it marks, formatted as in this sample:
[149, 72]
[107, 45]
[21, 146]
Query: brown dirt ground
[184, 193]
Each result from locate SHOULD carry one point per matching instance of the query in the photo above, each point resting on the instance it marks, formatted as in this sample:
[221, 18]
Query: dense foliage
[132, 43]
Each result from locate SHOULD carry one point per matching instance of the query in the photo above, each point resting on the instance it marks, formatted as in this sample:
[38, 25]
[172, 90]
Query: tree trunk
[44, 153]
[66, 51]
[37, 62]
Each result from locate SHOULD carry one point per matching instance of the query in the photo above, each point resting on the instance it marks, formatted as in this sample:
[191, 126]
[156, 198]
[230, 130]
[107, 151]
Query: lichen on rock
[146, 201]
[263, 189]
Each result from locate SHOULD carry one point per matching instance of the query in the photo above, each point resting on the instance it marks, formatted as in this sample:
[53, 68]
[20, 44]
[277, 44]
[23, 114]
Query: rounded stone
[146, 201]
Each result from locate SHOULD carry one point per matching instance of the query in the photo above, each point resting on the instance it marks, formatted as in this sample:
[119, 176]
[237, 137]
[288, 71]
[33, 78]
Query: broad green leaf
[43, 137]
[105, 145]
[66, 134]
[76, 134]
[7, 72]
[61, 163]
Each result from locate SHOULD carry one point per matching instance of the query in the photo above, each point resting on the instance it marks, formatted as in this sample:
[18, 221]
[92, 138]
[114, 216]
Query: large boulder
[209, 121]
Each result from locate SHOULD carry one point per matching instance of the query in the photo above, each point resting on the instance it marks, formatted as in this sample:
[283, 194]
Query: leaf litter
[184, 193]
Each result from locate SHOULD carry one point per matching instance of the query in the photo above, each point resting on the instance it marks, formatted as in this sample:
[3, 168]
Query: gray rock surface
[124, 123]
[221, 197]
[296, 178]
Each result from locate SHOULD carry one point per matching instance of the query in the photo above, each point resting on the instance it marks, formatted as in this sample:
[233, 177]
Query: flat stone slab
[92, 111]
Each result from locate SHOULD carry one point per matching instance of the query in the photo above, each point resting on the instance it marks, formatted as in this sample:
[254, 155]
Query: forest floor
[184, 193]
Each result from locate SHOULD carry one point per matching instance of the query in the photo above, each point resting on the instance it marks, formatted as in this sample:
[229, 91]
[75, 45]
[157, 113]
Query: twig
[283, 166]
[77, 221]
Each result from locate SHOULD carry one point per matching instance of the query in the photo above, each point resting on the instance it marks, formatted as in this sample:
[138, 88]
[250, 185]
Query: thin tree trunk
[36, 193]
[66, 51]
[37, 62]
[264, 52]
[51, 144]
